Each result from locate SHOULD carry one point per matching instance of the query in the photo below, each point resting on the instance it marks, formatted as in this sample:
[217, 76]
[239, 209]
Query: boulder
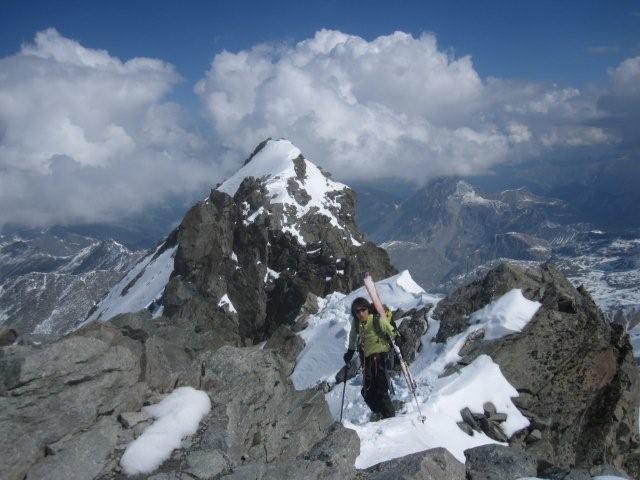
[498, 462]
[86, 455]
[434, 464]
[7, 336]
[332, 458]
[411, 329]
[286, 343]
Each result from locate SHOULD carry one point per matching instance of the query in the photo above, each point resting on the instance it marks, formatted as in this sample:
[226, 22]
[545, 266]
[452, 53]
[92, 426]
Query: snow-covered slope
[139, 288]
[441, 399]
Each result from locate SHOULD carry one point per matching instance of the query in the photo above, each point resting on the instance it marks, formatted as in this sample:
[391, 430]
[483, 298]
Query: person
[376, 355]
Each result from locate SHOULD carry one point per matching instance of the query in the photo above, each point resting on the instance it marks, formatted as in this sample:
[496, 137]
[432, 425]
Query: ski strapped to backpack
[375, 299]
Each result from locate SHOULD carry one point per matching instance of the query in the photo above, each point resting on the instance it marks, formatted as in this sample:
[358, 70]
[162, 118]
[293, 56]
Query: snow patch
[177, 416]
[508, 314]
[226, 302]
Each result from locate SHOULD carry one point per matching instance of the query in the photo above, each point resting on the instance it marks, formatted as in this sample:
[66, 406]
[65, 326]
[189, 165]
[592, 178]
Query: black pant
[375, 389]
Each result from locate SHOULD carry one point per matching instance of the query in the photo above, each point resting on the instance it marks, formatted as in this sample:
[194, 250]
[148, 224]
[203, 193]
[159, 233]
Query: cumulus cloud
[394, 106]
[85, 136]
[621, 102]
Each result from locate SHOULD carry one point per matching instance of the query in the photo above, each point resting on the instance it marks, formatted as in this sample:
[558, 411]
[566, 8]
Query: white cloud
[625, 78]
[85, 136]
[393, 106]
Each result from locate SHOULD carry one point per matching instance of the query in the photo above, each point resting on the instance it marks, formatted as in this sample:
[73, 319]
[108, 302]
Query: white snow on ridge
[151, 276]
[508, 314]
[440, 399]
[177, 416]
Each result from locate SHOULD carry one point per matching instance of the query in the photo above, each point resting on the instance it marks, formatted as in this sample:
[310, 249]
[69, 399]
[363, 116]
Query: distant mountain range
[450, 232]
[49, 279]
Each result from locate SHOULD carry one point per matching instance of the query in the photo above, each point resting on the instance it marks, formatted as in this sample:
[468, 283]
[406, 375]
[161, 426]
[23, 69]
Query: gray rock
[411, 331]
[287, 343]
[332, 458]
[498, 417]
[434, 464]
[84, 456]
[493, 430]
[573, 370]
[131, 419]
[207, 464]
[7, 336]
[497, 462]
[489, 409]
[257, 415]
[61, 389]
[469, 419]
[534, 436]
[465, 428]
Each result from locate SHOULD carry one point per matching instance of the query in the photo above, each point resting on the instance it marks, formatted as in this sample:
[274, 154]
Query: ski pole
[411, 383]
[344, 387]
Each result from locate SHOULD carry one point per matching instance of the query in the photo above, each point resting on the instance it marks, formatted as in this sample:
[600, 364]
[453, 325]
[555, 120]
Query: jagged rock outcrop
[575, 373]
[497, 462]
[412, 325]
[56, 397]
[433, 464]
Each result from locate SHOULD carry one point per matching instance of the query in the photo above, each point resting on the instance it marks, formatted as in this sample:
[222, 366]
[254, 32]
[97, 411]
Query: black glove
[348, 355]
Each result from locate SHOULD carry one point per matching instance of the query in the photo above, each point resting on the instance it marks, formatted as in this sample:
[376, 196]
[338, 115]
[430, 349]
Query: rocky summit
[246, 259]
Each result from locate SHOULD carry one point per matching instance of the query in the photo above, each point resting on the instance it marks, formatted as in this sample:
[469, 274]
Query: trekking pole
[344, 387]
[411, 383]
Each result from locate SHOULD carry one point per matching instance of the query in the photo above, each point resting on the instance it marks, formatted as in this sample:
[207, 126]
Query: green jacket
[373, 342]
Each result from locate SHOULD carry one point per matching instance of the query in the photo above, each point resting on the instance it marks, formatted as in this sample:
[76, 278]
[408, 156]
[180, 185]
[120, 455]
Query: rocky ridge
[574, 371]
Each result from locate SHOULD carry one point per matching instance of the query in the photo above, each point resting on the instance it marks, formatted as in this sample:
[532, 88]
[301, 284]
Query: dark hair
[359, 303]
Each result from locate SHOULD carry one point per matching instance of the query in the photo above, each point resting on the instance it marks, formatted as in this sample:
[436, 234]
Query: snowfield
[440, 399]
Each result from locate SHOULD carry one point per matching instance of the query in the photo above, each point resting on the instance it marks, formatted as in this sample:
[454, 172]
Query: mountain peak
[294, 183]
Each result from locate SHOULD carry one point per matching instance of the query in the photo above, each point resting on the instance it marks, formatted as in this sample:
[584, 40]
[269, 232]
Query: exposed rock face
[52, 397]
[413, 325]
[574, 371]
[267, 255]
[497, 462]
[434, 464]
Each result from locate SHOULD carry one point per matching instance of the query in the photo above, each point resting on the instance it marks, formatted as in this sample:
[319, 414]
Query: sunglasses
[362, 310]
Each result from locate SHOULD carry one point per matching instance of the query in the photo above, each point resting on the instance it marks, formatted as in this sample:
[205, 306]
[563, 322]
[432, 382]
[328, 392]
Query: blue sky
[542, 40]
[109, 107]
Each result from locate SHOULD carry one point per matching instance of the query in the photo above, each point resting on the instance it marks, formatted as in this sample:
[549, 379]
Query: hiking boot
[398, 405]
[374, 417]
